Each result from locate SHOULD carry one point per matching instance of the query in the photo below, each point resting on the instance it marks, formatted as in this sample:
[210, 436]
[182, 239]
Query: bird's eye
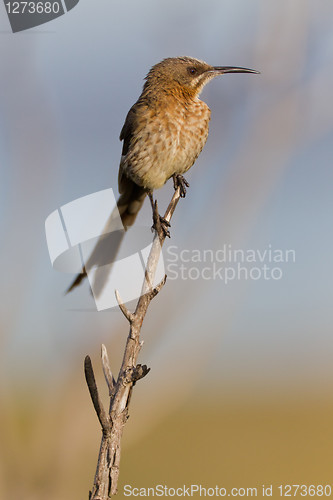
[192, 70]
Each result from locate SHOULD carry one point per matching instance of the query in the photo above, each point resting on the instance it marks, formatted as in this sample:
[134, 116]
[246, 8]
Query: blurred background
[241, 381]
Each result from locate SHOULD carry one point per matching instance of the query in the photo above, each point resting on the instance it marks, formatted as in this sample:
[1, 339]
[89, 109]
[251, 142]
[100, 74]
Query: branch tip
[93, 391]
[139, 372]
[111, 383]
[158, 288]
[128, 315]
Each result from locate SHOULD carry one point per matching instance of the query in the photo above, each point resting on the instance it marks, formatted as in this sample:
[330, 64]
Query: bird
[163, 134]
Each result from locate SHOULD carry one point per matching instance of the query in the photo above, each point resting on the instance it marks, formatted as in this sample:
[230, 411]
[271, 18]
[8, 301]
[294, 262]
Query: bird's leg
[180, 181]
[159, 223]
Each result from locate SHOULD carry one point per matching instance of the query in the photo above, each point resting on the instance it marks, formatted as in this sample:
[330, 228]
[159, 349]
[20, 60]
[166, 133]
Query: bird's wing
[128, 129]
[131, 194]
[126, 136]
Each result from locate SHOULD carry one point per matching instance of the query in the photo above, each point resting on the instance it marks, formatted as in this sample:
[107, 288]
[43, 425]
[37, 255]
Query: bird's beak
[220, 70]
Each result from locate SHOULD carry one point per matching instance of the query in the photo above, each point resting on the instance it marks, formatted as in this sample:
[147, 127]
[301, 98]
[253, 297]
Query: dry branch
[107, 472]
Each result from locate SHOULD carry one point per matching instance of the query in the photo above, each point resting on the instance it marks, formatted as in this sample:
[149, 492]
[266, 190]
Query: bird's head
[188, 74]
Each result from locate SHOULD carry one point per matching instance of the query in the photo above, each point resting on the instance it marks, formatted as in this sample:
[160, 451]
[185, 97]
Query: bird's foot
[181, 182]
[161, 225]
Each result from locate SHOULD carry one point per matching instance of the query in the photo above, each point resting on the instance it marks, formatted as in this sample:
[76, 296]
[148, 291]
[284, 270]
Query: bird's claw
[161, 227]
[160, 224]
[181, 182]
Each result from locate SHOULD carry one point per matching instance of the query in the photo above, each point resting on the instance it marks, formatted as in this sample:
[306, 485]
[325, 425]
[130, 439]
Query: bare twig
[98, 405]
[107, 472]
[111, 383]
[128, 315]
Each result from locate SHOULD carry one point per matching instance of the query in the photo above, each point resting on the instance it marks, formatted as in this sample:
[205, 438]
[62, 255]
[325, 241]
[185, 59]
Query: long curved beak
[233, 69]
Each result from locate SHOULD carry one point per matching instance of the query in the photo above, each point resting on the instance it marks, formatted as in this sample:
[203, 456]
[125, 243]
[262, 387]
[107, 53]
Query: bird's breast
[167, 141]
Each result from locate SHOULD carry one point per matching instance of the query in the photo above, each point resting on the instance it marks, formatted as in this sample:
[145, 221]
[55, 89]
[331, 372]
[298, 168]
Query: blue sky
[265, 177]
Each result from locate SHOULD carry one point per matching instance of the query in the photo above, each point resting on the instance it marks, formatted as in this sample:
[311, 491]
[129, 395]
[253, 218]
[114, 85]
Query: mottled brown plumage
[163, 134]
